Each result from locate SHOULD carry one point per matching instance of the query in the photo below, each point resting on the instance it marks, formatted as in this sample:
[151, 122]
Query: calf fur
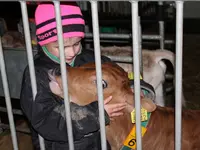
[161, 127]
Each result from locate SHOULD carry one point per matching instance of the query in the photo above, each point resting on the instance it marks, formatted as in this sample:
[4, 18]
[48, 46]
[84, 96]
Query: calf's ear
[54, 84]
[55, 88]
[148, 104]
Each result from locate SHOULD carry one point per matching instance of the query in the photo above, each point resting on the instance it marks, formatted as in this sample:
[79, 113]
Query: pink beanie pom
[72, 22]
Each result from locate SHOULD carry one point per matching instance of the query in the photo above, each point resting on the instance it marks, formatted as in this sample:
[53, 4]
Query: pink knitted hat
[72, 22]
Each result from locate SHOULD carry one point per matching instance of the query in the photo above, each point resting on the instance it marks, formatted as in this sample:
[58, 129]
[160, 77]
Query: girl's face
[72, 47]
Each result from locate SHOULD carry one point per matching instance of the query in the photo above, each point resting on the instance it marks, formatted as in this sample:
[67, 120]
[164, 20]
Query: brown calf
[160, 128]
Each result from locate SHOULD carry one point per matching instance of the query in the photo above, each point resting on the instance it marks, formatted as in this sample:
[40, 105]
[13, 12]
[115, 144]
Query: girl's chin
[68, 60]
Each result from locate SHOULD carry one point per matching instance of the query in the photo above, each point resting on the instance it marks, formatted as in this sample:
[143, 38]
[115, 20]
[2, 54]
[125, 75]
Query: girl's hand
[113, 110]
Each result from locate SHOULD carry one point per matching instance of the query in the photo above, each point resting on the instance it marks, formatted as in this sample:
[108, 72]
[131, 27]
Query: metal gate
[96, 38]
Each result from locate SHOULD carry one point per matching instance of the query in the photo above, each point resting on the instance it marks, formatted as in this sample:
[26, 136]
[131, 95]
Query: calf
[160, 126]
[154, 68]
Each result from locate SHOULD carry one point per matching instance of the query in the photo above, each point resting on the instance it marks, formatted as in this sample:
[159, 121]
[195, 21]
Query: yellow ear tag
[131, 76]
[131, 138]
[144, 116]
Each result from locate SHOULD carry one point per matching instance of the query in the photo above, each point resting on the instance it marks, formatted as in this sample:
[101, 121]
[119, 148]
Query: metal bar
[64, 74]
[24, 130]
[162, 34]
[169, 41]
[125, 41]
[136, 68]
[178, 75]
[7, 97]
[95, 25]
[106, 41]
[87, 46]
[161, 26]
[14, 111]
[125, 59]
[140, 46]
[30, 57]
[122, 36]
[169, 89]
[149, 0]
[169, 76]
[121, 0]
[1, 129]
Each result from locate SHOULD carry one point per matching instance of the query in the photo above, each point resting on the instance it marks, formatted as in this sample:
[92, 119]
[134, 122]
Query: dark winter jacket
[46, 112]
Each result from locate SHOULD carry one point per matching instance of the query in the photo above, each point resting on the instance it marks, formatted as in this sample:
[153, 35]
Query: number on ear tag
[131, 138]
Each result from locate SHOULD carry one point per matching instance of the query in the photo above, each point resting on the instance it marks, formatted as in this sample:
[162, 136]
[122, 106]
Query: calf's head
[82, 85]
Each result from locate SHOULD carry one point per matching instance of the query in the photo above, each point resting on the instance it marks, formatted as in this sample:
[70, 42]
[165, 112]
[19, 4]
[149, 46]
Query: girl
[46, 114]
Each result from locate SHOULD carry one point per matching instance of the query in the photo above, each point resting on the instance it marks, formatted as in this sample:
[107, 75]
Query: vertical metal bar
[1, 129]
[104, 6]
[87, 45]
[85, 6]
[162, 34]
[140, 46]
[135, 37]
[161, 26]
[95, 25]
[64, 74]
[30, 57]
[7, 97]
[179, 54]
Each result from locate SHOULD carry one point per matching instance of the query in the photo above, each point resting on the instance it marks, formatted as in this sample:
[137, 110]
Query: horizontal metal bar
[125, 59]
[108, 41]
[146, 20]
[149, 0]
[18, 49]
[151, 37]
[169, 76]
[24, 130]
[167, 42]
[15, 111]
[169, 89]
[122, 36]
[108, 0]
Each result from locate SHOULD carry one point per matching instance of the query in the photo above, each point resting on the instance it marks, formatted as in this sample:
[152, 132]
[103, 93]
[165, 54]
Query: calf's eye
[104, 83]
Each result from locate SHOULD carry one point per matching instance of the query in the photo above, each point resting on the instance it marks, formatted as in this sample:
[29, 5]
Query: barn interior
[158, 28]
